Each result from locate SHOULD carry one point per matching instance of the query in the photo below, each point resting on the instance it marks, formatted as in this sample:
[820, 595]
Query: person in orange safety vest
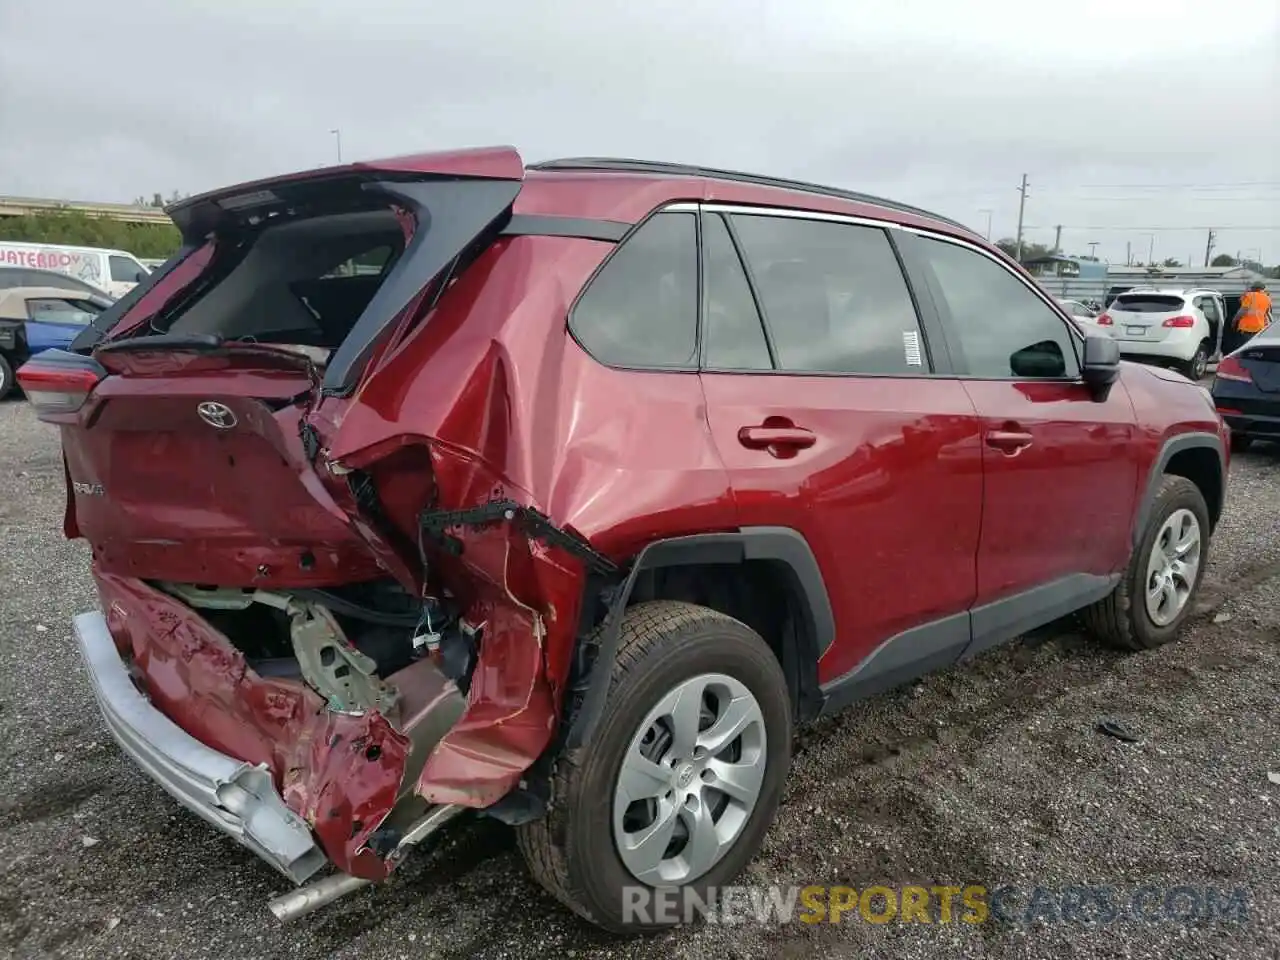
[1255, 311]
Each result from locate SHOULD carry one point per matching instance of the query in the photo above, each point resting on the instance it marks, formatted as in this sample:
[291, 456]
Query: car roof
[627, 190]
[1169, 291]
[62, 278]
[1269, 335]
[621, 190]
[683, 170]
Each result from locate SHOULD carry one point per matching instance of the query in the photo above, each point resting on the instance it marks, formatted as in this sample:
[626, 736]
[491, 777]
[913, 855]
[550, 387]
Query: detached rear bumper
[236, 797]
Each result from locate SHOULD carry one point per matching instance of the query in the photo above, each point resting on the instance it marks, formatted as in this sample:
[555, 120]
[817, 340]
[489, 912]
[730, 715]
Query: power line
[1135, 229]
[1231, 185]
[1274, 198]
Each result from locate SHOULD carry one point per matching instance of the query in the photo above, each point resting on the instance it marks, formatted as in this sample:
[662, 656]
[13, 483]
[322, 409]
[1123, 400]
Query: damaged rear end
[323, 633]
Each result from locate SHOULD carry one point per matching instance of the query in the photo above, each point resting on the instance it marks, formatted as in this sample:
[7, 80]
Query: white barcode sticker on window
[911, 348]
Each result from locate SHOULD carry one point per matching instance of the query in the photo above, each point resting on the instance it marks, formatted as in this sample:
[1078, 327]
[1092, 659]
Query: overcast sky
[1130, 118]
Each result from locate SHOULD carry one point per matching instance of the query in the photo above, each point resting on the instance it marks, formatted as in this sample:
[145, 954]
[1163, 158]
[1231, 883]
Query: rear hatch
[189, 411]
[1261, 358]
[1148, 317]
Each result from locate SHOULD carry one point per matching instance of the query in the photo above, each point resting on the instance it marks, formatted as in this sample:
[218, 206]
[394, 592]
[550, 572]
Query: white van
[113, 271]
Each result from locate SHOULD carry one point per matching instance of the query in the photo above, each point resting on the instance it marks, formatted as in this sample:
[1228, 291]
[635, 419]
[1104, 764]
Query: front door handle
[1008, 441]
[776, 438]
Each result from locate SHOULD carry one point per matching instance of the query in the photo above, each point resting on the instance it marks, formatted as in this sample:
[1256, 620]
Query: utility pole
[337, 136]
[1151, 251]
[1093, 249]
[1022, 203]
[1128, 253]
[1057, 239]
[988, 213]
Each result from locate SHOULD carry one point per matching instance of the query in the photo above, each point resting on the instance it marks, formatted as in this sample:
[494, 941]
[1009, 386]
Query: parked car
[35, 319]
[1113, 292]
[1181, 328]
[115, 271]
[1079, 310]
[1246, 389]
[11, 277]
[613, 474]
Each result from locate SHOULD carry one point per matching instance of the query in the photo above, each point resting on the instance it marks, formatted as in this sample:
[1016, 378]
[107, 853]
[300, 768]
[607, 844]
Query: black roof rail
[689, 170]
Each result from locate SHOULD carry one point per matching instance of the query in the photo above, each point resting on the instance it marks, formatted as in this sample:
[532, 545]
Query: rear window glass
[303, 282]
[1148, 303]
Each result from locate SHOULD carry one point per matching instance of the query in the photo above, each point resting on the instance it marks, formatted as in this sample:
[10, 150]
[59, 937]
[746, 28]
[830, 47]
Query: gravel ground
[986, 774]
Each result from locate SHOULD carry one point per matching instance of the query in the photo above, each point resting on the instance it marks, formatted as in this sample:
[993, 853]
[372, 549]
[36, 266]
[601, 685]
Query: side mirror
[1101, 367]
[1040, 361]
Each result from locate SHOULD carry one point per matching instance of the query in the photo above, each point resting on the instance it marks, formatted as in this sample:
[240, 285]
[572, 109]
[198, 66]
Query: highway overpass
[127, 212]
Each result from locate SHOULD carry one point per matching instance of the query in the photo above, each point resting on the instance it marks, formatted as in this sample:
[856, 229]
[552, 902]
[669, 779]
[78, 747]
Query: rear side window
[75, 312]
[641, 309]
[734, 334]
[1004, 330]
[1148, 303]
[833, 295]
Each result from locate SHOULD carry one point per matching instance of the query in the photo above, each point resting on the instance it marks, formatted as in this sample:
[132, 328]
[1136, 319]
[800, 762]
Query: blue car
[35, 319]
[1246, 390]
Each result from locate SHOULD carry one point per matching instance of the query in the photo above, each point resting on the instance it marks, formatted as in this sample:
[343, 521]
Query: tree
[79, 229]
[1030, 251]
[1223, 260]
[1171, 262]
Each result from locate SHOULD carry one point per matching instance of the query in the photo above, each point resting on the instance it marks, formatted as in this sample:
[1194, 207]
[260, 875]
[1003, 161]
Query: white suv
[1179, 327]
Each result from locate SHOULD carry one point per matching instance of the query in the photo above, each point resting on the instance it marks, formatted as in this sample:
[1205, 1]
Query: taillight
[1104, 320]
[59, 382]
[1232, 369]
[1181, 322]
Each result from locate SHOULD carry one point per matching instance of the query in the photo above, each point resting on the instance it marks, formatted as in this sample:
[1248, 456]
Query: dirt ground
[990, 773]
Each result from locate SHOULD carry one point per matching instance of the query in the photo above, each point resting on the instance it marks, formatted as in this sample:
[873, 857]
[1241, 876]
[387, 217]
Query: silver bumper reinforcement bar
[236, 797]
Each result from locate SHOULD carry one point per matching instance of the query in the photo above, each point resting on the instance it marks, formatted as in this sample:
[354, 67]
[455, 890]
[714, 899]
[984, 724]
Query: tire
[664, 644]
[1194, 369]
[1124, 618]
[1240, 443]
[6, 377]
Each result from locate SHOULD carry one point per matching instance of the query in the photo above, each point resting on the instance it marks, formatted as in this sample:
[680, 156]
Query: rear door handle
[765, 438]
[1008, 441]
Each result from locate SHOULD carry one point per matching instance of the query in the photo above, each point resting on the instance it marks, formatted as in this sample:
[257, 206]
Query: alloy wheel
[1172, 567]
[689, 780]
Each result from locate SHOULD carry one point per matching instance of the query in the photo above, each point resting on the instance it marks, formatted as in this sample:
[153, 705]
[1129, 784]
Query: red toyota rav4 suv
[563, 493]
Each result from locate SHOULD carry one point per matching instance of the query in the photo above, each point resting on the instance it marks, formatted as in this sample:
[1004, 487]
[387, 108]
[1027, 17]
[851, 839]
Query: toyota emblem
[216, 414]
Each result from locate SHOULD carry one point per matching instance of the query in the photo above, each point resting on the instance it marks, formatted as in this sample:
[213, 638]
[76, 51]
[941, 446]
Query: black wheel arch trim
[1168, 450]
[781, 544]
